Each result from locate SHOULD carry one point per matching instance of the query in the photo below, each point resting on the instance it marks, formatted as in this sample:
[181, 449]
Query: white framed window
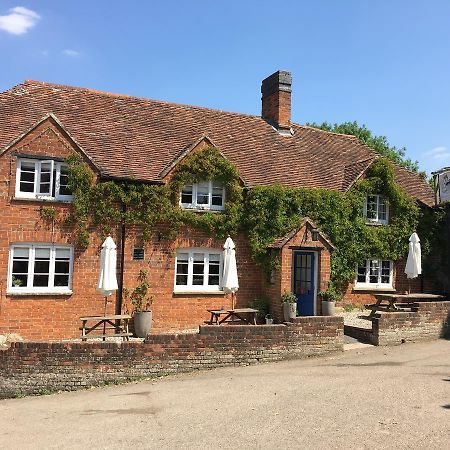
[42, 179]
[376, 209]
[198, 270]
[374, 274]
[208, 195]
[40, 269]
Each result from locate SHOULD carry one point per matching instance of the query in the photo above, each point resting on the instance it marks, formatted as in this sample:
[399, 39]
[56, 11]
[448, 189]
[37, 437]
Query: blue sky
[384, 63]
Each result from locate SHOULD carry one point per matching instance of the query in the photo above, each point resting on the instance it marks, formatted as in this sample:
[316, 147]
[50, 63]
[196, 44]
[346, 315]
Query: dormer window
[376, 209]
[42, 180]
[206, 195]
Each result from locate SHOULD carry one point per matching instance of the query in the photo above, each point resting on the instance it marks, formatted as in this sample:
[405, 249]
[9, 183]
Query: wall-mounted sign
[442, 183]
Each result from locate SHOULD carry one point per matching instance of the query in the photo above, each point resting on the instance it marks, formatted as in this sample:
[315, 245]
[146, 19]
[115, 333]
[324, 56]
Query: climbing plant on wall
[265, 212]
[105, 204]
[209, 164]
[272, 211]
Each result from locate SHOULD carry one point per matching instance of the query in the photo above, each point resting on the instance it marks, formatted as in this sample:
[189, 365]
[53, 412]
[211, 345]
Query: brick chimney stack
[276, 100]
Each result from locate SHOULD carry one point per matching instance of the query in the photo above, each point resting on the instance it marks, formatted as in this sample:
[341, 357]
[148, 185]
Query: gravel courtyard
[368, 398]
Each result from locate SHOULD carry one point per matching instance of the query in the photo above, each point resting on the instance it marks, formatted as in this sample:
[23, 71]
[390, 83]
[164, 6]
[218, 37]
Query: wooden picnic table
[120, 326]
[247, 315]
[399, 302]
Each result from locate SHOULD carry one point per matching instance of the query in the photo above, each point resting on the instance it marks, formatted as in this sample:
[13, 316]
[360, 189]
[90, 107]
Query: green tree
[378, 143]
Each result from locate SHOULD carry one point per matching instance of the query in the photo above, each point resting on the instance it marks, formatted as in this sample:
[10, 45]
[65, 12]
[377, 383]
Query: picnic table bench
[246, 315]
[104, 323]
[399, 302]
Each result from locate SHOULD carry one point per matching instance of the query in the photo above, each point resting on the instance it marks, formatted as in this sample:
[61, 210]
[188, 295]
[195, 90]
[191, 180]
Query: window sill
[197, 292]
[41, 200]
[39, 293]
[202, 210]
[376, 224]
[375, 288]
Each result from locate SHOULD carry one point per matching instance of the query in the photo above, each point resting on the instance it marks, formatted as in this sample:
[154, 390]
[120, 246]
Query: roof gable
[305, 222]
[51, 119]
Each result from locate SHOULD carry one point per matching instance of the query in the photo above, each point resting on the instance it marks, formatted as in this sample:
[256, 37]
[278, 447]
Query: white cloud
[19, 20]
[70, 52]
[440, 152]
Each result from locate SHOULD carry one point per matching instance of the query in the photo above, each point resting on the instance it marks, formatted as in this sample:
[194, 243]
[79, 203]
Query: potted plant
[289, 301]
[142, 302]
[329, 298]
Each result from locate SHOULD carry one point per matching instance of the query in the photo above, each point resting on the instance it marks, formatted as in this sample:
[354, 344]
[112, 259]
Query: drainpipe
[122, 264]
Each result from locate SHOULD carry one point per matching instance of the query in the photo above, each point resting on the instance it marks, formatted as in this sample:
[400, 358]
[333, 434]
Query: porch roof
[306, 221]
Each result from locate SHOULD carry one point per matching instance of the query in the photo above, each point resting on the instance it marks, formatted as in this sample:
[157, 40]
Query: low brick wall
[431, 321]
[362, 334]
[29, 368]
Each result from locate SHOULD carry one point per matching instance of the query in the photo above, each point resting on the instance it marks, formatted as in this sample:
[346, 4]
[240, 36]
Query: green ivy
[273, 211]
[209, 164]
[433, 236]
[103, 205]
[265, 213]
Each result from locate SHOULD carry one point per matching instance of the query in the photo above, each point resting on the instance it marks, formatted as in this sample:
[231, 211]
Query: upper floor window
[40, 268]
[198, 270]
[374, 273]
[46, 179]
[376, 209]
[205, 195]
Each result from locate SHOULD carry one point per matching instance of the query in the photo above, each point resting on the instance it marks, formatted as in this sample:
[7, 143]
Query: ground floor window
[39, 268]
[374, 273]
[198, 270]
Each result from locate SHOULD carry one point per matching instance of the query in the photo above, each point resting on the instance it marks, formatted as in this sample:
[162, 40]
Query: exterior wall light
[314, 234]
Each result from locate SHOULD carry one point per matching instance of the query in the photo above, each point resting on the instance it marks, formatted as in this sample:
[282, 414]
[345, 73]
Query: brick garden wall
[28, 368]
[431, 321]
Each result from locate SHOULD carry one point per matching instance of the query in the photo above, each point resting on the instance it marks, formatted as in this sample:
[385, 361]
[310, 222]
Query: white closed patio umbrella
[107, 280]
[230, 282]
[414, 262]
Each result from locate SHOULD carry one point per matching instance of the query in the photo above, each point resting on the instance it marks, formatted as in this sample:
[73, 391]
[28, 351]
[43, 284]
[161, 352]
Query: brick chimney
[276, 100]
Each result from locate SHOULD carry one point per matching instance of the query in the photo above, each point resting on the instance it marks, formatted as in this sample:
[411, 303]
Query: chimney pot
[276, 99]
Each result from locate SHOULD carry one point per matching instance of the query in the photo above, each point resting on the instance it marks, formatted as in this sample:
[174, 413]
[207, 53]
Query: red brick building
[47, 282]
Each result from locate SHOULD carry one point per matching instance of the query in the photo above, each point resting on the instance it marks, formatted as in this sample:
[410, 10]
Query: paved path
[370, 398]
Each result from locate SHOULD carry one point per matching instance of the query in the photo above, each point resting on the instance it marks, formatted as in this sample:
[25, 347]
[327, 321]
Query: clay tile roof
[353, 171]
[129, 137]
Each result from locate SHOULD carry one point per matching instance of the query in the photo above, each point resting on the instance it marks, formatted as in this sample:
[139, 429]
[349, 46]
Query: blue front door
[304, 288]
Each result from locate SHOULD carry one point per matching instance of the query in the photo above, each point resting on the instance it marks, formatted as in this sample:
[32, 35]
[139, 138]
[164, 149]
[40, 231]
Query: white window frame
[55, 167]
[377, 219]
[209, 206]
[367, 285]
[40, 290]
[205, 288]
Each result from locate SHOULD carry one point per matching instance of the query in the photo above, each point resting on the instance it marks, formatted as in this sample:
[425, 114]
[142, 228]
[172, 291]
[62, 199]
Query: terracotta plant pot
[142, 323]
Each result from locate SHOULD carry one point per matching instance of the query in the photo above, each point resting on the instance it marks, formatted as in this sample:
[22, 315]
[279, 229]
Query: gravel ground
[355, 318]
